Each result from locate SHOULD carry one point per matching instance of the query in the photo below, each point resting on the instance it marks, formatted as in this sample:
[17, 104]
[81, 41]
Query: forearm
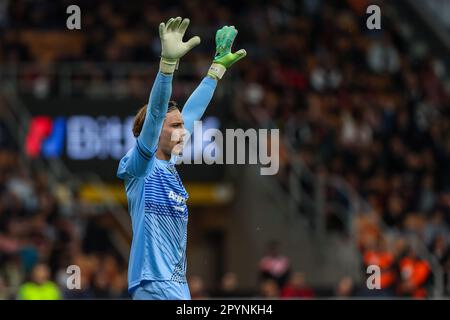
[156, 112]
[198, 102]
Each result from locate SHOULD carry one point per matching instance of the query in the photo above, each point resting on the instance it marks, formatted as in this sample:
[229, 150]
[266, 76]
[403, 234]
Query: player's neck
[162, 156]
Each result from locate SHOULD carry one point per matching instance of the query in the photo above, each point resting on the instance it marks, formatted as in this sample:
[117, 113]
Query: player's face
[172, 134]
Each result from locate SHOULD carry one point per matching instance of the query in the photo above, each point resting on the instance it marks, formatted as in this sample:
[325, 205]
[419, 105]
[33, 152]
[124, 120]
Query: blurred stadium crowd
[44, 228]
[371, 107]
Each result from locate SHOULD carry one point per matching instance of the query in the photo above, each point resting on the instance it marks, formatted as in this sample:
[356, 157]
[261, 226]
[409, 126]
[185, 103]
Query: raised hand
[224, 58]
[172, 45]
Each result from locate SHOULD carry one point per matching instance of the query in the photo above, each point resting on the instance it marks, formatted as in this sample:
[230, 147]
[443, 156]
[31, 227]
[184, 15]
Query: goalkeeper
[155, 193]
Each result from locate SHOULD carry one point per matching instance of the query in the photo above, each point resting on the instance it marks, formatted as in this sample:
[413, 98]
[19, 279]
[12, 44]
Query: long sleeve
[156, 112]
[138, 162]
[198, 102]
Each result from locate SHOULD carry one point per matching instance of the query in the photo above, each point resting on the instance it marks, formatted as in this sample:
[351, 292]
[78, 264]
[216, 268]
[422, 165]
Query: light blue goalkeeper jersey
[156, 196]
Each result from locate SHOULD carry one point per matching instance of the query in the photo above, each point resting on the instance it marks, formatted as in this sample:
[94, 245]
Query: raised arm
[139, 160]
[198, 101]
[155, 114]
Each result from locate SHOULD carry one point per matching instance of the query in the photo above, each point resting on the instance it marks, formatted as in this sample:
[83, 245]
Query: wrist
[216, 71]
[168, 66]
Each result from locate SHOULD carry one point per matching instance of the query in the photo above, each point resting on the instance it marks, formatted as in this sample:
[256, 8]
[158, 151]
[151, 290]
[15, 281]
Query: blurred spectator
[274, 265]
[269, 289]
[296, 287]
[33, 228]
[382, 56]
[100, 286]
[378, 255]
[345, 288]
[440, 247]
[119, 286]
[436, 227]
[40, 287]
[197, 287]
[229, 286]
[415, 276]
[85, 291]
[446, 270]
[4, 292]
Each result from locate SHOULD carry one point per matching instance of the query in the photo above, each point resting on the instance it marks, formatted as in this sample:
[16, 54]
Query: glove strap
[216, 71]
[168, 66]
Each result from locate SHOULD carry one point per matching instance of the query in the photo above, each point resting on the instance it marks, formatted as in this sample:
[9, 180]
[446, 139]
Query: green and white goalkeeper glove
[172, 45]
[224, 58]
